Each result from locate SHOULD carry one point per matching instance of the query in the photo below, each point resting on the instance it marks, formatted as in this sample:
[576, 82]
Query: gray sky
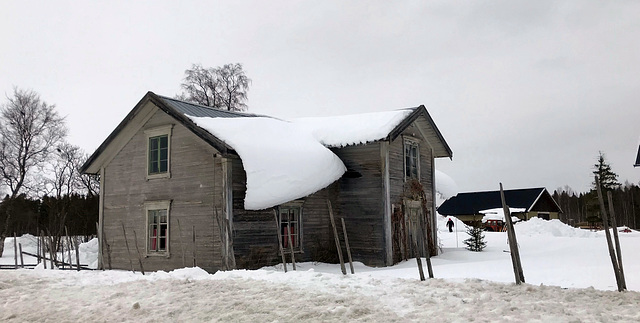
[525, 92]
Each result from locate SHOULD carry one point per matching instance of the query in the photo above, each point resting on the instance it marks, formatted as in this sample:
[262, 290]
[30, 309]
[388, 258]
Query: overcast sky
[525, 92]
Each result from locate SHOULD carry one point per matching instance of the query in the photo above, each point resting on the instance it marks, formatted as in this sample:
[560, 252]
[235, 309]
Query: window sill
[158, 176]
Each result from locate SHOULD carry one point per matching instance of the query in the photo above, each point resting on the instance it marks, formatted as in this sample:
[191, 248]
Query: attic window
[411, 159]
[158, 152]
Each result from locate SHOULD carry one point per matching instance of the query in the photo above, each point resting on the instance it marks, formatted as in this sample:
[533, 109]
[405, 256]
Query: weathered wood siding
[360, 203]
[397, 163]
[255, 232]
[193, 188]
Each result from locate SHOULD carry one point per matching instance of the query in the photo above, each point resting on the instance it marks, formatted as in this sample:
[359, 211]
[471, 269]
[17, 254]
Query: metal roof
[473, 202]
[197, 110]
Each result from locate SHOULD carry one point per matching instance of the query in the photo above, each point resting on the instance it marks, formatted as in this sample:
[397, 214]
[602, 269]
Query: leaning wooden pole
[293, 255]
[513, 242]
[616, 239]
[284, 260]
[425, 238]
[346, 243]
[605, 222]
[335, 235]
[418, 258]
[15, 250]
[135, 240]
[126, 243]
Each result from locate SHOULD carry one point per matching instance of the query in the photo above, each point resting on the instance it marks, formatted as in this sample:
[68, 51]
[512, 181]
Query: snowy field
[568, 273]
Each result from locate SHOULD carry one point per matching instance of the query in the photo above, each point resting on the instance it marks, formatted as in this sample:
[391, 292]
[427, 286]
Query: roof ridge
[239, 113]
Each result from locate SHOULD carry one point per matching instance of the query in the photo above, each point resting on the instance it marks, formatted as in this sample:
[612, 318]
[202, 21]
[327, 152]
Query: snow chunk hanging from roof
[340, 131]
[283, 162]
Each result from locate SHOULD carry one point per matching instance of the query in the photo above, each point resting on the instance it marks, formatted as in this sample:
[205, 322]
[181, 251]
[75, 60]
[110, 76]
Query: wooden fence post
[77, 253]
[335, 235]
[513, 242]
[21, 258]
[15, 250]
[605, 222]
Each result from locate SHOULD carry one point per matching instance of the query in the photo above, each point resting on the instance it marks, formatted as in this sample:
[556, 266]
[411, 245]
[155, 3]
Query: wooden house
[176, 192]
[536, 202]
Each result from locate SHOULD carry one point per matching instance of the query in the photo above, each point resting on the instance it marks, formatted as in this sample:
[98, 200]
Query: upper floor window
[411, 159]
[158, 152]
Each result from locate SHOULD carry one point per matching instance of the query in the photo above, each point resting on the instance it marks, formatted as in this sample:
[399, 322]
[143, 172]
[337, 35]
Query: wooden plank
[335, 235]
[616, 240]
[513, 243]
[346, 243]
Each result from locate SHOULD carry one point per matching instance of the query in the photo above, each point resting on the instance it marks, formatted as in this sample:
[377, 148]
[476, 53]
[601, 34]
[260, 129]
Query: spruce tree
[608, 182]
[476, 241]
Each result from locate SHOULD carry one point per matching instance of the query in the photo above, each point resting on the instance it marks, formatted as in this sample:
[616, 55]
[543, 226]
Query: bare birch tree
[218, 87]
[29, 130]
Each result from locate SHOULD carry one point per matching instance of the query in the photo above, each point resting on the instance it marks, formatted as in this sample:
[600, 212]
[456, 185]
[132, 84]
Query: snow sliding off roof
[282, 162]
[286, 160]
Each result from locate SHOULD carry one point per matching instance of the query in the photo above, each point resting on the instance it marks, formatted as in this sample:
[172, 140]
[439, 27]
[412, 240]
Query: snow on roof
[288, 165]
[340, 131]
[498, 214]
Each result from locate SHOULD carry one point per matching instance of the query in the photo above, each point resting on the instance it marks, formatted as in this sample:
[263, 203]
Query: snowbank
[288, 165]
[551, 228]
[340, 131]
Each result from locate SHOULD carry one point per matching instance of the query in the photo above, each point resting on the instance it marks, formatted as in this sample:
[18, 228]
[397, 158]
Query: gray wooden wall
[191, 189]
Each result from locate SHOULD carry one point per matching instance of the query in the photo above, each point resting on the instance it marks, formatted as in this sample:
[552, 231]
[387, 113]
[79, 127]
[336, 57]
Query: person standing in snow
[450, 225]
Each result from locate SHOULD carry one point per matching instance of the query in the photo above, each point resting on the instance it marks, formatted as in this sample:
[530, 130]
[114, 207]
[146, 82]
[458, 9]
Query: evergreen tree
[608, 179]
[476, 241]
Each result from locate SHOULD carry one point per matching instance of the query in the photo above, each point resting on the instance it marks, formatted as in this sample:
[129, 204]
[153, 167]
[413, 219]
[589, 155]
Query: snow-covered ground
[568, 273]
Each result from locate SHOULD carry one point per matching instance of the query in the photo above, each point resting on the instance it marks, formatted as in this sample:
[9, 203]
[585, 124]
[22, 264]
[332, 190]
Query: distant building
[536, 202]
[637, 164]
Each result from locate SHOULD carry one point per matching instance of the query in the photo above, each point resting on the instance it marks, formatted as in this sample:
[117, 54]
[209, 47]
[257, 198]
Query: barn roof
[530, 199]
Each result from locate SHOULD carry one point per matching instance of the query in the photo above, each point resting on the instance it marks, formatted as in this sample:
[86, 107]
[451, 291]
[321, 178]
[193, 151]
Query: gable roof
[283, 160]
[637, 164]
[474, 202]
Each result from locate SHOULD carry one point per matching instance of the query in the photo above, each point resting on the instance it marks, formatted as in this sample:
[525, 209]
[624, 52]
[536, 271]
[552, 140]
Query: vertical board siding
[360, 202]
[191, 188]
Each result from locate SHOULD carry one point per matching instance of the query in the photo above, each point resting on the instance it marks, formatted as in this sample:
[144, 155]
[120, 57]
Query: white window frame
[156, 132]
[156, 206]
[300, 233]
[408, 141]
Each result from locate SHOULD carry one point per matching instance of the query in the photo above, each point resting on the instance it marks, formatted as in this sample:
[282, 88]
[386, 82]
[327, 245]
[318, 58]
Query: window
[158, 152]
[290, 227]
[157, 214]
[411, 159]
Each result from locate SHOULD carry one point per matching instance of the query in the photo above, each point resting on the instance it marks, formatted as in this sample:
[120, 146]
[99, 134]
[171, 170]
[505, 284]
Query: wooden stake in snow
[75, 240]
[346, 243]
[21, 258]
[418, 258]
[605, 222]
[335, 235]
[284, 260]
[513, 243]
[293, 256]
[15, 250]
[193, 242]
[425, 238]
[126, 242]
[616, 240]
[135, 240]
[184, 261]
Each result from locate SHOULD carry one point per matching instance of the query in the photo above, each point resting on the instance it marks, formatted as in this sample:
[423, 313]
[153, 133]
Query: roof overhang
[440, 146]
[133, 122]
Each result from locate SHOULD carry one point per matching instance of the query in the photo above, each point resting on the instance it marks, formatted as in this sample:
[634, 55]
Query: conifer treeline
[583, 208]
[78, 213]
